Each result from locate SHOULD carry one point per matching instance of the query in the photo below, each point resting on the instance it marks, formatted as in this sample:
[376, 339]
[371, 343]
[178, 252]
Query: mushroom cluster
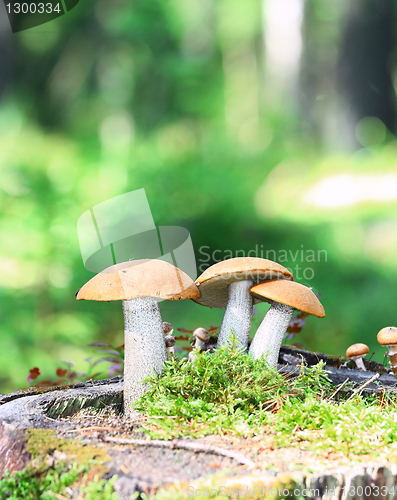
[235, 285]
[227, 285]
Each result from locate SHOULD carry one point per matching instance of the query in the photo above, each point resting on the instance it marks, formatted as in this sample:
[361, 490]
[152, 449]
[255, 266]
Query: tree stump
[50, 417]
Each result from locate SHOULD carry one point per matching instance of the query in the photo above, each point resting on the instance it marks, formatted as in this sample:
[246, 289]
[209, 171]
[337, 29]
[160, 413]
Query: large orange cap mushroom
[140, 285]
[285, 296]
[139, 278]
[289, 293]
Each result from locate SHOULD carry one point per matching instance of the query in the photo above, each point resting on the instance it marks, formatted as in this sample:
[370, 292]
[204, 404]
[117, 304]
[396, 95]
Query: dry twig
[340, 387]
[376, 376]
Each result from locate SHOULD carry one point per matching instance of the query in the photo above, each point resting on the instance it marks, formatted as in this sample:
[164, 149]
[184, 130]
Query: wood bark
[13, 453]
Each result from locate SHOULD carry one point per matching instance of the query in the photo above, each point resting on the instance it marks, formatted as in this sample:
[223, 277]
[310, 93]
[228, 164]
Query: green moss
[33, 484]
[100, 489]
[41, 442]
[227, 391]
[230, 393]
[38, 441]
[335, 361]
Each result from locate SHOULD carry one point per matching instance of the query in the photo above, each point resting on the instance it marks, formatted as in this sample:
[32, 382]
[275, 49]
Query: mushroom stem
[393, 357]
[238, 314]
[270, 334]
[169, 339]
[145, 350]
[359, 362]
[192, 357]
[199, 343]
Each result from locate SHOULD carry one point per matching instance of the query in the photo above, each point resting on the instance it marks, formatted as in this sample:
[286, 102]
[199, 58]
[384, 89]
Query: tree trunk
[365, 64]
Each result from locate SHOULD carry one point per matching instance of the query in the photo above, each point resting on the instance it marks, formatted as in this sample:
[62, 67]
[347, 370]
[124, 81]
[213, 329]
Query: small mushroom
[167, 327]
[356, 352]
[388, 337]
[226, 285]
[285, 296]
[169, 339]
[140, 284]
[202, 337]
[169, 344]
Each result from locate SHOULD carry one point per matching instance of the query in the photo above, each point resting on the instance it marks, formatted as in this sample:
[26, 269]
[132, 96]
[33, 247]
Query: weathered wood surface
[13, 452]
[359, 482]
[41, 410]
[369, 481]
[21, 411]
[145, 469]
[364, 481]
[290, 358]
[34, 391]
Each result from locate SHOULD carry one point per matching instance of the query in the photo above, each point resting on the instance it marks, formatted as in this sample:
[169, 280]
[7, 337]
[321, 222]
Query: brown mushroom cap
[291, 294]
[167, 327]
[357, 350]
[214, 281]
[139, 278]
[169, 341]
[202, 334]
[387, 336]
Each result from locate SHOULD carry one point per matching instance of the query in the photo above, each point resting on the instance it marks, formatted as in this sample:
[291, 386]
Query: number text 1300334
[33, 8]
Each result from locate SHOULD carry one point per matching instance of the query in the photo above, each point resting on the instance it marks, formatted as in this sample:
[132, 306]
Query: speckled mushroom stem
[392, 351]
[269, 336]
[238, 314]
[144, 351]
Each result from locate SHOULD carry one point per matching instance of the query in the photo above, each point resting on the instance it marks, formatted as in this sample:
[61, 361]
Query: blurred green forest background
[254, 124]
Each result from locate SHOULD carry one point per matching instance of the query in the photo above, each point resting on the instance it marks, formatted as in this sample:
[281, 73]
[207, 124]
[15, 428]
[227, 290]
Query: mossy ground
[283, 423]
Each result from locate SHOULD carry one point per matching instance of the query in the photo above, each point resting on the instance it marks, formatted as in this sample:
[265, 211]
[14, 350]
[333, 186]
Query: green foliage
[29, 484]
[111, 354]
[33, 484]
